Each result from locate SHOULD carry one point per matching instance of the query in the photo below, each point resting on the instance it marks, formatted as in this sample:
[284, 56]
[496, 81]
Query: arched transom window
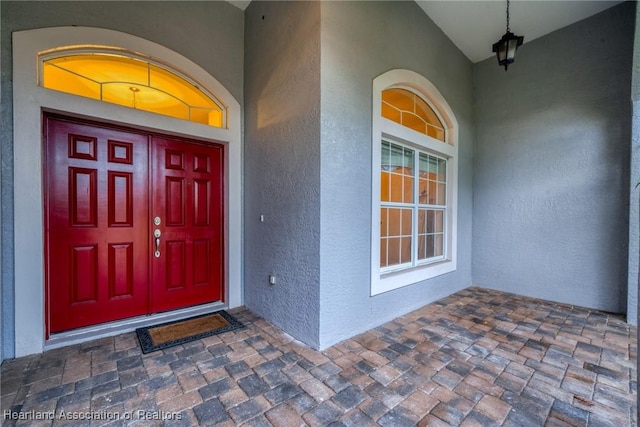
[410, 110]
[130, 80]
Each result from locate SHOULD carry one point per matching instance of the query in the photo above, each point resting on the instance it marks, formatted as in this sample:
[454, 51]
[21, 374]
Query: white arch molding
[29, 100]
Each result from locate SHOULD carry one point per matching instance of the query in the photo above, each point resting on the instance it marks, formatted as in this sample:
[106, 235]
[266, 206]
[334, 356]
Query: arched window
[131, 80]
[415, 182]
[409, 109]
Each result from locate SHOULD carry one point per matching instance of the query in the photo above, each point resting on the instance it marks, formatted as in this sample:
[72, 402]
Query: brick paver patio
[476, 358]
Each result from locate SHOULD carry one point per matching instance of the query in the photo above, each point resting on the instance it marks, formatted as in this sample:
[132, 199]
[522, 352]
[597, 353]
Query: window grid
[412, 228]
[131, 81]
[410, 110]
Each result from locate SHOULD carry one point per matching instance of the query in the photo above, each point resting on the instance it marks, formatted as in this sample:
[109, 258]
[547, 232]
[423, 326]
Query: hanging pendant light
[505, 48]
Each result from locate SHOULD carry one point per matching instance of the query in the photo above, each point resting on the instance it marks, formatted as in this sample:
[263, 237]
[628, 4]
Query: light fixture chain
[508, 15]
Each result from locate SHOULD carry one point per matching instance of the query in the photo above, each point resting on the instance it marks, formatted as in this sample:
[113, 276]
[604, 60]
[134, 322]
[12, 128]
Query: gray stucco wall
[209, 33]
[361, 40]
[551, 182]
[634, 197]
[2, 138]
[282, 165]
[634, 187]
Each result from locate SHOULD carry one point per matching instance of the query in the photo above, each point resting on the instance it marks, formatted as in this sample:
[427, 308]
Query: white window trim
[386, 129]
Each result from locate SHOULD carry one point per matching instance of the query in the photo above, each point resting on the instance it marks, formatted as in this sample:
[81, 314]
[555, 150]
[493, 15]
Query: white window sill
[397, 279]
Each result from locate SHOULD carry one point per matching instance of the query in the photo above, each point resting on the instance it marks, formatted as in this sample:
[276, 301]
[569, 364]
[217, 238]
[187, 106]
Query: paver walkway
[476, 358]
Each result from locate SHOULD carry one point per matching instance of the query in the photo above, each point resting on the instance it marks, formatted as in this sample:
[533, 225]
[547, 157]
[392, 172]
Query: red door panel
[96, 224]
[187, 268]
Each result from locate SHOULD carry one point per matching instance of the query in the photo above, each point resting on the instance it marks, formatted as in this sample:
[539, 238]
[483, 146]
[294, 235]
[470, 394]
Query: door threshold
[89, 333]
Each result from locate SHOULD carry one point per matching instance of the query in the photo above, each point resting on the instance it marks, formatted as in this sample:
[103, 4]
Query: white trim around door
[29, 101]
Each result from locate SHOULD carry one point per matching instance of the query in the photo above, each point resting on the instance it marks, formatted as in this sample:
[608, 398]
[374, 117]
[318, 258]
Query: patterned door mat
[158, 337]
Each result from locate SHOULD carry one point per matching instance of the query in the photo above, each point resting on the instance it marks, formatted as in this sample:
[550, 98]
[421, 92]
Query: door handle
[157, 233]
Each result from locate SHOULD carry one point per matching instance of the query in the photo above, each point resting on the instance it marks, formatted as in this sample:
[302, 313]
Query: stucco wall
[634, 197]
[361, 40]
[209, 33]
[282, 165]
[2, 138]
[551, 182]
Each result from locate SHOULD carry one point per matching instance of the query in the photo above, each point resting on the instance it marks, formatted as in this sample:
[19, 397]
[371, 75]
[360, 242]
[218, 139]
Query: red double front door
[133, 223]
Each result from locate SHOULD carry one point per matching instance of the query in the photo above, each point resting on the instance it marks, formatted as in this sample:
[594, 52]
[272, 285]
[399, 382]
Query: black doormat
[168, 334]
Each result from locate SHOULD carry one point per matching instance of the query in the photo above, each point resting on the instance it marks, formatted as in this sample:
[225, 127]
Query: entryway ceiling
[474, 25]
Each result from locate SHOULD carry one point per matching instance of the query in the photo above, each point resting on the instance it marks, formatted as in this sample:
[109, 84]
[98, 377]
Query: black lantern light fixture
[506, 47]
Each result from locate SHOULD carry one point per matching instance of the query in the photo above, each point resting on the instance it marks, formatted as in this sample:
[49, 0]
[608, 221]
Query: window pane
[424, 111]
[144, 98]
[407, 220]
[425, 221]
[207, 116]
[422, 221]
[435, 132]
[385, 186]
[424, 176]
[431, 191]
[430, 251]
[396, 157]
[441, 194]
[401, 99]
[384, 222]
[408, 165]
[424, 164]
[385, 153]
[396, 168]
[405, 250]
[410, 110]
[414, 122]
[383, 253]
[396, 188]
[62, 80]
[422, 247]
[438, 245]
[407, 189]
[385, 178]
[180, 88]
[408, 161]
[393, 251]
[439, 221]
[103, 68]
[424, 191]
[391, 113]
[442, 170]
[394, 219]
